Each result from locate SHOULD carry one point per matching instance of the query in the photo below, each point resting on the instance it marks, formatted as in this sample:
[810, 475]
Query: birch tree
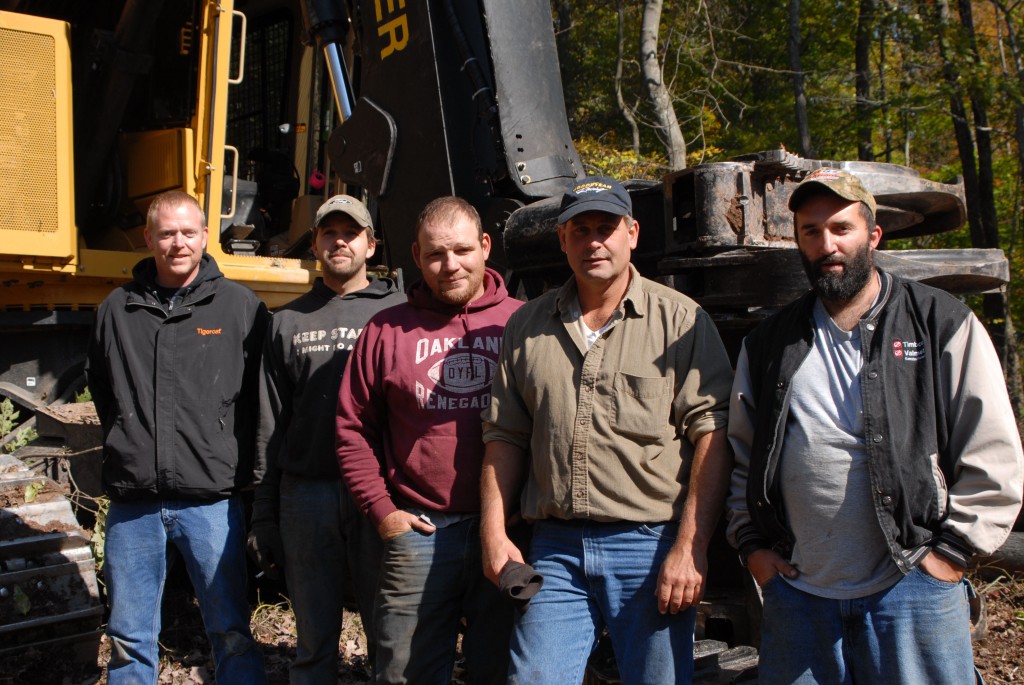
[667, 125]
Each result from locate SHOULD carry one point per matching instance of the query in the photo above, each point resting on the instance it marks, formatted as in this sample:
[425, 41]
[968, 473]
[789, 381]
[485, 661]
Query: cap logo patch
[592, 187]
[824, 174]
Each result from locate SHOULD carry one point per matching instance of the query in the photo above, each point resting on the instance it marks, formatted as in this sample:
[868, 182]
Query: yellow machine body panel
[44, 260]
[36, 174]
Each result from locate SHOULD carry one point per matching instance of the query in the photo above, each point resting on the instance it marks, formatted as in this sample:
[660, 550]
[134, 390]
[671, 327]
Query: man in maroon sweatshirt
[409, 447]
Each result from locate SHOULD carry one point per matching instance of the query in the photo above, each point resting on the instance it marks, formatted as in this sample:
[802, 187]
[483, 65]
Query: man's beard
[345, 270]
[840, 286]
[461, 297]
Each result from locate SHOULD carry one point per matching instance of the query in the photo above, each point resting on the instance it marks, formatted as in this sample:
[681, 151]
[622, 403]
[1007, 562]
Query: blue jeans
[917, 631]
[599, 575]
[326, 539]
[211, 539]
[427, 584]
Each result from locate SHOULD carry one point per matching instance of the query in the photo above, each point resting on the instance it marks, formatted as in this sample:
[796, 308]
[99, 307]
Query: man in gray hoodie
[303, 517]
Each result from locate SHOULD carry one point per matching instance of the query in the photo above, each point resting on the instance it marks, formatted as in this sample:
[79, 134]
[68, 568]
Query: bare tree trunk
[862, 69]
[883, 94]
[627, 112]
[961, 126]
[994, 305]
[563, 38]
[978, 188]
[1012, 364]
[1018, 74]
[799, 92]
[661, 100]
[982, 140]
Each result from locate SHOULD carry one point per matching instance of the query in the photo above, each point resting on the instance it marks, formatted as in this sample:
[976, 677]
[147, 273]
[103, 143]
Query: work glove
[519, 582]
[265, 546]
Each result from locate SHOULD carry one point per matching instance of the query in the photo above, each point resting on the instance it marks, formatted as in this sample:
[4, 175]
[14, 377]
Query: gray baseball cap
[836, 181]
[348, 205]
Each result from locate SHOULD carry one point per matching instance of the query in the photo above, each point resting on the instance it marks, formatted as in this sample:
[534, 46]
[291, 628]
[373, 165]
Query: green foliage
[99, 531]
[8, 417]
[601, 157]
[22, 438]
[22, 603]
[587, 52]
[84, 396]
[33, 489]
[8, 422]
[727, 66]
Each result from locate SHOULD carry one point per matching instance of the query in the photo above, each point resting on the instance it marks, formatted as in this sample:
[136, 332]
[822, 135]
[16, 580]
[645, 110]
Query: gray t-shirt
[840, 550]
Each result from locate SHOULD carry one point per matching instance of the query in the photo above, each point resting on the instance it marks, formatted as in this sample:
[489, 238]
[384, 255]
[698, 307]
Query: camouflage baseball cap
[836, 181]
[348, 205]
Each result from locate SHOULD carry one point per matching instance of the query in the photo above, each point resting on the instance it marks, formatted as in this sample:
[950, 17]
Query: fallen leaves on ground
[185, 660]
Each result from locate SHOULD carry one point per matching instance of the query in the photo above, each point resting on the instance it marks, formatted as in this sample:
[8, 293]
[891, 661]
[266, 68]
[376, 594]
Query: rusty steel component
[723, 234]
[48, 588]
[742, 203]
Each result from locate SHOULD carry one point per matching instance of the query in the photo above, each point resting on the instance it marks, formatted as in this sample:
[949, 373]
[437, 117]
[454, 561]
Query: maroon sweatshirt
[408, 425]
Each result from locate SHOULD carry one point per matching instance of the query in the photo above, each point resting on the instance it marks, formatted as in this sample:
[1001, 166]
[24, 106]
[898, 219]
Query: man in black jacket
[303, 518]
[173, 369]
[875, 453]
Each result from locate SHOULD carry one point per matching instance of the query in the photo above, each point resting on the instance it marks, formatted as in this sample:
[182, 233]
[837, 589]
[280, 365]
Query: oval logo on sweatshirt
[463, 373]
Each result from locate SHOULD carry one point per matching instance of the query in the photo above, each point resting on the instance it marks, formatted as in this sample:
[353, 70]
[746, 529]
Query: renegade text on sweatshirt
[408, 425]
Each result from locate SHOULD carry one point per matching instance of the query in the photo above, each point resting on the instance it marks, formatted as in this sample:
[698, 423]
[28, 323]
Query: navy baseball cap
[595, 194]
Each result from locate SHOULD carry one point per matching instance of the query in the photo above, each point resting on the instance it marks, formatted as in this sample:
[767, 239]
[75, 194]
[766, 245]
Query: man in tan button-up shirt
[607, 428]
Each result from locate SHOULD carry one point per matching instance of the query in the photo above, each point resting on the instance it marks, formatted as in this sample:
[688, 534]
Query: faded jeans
[211, 539]
[599, 575]
[427, 584]
[326, 539]
[917, 631]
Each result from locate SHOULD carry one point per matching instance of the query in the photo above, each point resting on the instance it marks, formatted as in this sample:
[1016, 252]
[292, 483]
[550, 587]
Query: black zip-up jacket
[176, 388]
[943, 451]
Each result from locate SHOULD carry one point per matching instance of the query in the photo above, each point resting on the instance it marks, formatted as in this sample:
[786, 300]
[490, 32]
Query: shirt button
[780, 384]
[887, 500]
[870, 326]
[872, 374]
[583, 422]
[877, 438]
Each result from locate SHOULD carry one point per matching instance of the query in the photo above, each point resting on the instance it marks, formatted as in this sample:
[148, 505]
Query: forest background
[937, 85]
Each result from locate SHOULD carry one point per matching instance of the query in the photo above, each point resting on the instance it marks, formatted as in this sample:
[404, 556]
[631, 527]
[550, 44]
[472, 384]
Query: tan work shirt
[609, 431]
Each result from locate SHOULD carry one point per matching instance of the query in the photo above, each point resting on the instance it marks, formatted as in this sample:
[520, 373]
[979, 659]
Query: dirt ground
[184, 650]
[185, 660]
[1000, 656]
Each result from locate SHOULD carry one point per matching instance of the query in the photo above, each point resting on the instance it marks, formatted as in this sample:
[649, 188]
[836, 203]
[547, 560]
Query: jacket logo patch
[208, 331]
[908, 350]
[463, 373]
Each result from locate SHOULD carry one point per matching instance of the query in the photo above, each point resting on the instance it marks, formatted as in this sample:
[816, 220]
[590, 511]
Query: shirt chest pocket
[640, 407]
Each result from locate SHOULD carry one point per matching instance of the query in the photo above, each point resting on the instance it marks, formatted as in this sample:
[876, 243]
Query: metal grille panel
[256, 106]
[28, 132]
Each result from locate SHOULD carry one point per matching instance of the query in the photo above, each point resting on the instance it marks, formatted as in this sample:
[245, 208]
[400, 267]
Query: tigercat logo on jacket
[208, 331]
[908, 350]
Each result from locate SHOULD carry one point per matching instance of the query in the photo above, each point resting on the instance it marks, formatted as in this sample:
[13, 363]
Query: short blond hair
[170, 199]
